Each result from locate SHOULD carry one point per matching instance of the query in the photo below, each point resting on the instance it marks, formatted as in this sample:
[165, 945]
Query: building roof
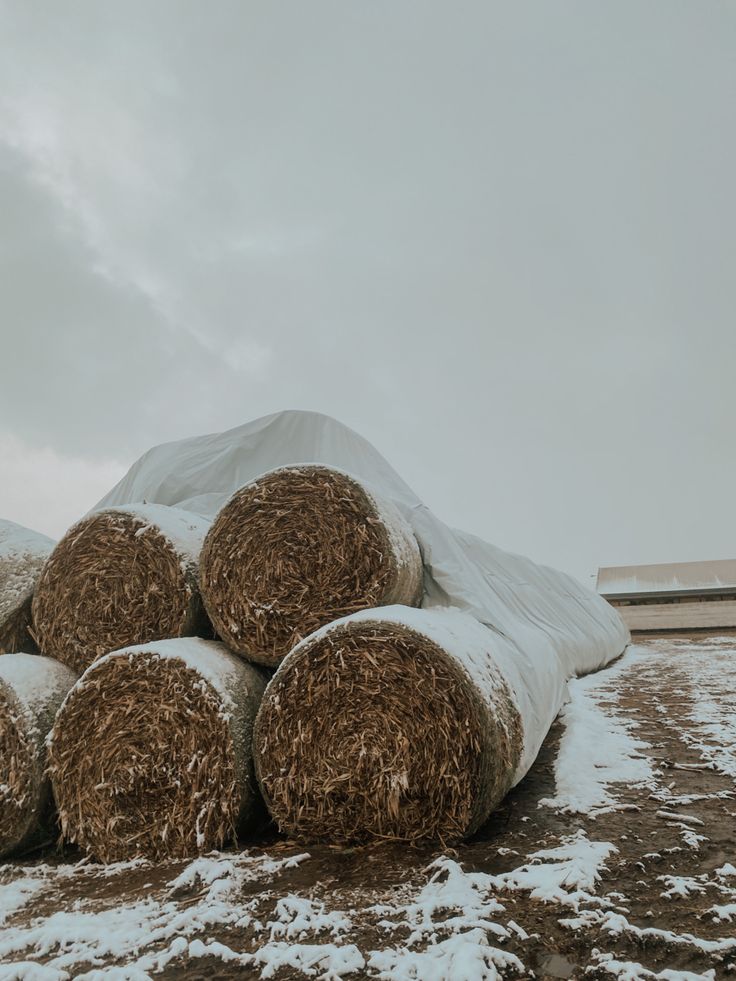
[674, 579]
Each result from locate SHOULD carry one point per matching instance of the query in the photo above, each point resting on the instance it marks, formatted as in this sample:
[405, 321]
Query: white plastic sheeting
[556, 627]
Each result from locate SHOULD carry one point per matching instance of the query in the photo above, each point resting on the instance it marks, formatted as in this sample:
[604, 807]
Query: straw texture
[22, 555]
[120, 577]
[151, 755]
[298, 548]
[370, 729]
[31, 690]
[15, 629]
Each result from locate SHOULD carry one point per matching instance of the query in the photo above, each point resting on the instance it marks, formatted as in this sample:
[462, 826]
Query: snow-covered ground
[614, 859]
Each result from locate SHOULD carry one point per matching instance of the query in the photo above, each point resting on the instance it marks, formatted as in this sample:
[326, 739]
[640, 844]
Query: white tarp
[557, 627]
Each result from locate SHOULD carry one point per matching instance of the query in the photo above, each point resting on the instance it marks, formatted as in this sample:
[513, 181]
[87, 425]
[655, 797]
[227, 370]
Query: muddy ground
[677, 696]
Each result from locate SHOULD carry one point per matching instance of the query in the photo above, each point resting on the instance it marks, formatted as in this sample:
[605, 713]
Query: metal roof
[677, 578]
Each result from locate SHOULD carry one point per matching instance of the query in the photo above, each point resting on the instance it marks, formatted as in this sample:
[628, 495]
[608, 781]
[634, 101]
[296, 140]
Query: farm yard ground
[615, 857]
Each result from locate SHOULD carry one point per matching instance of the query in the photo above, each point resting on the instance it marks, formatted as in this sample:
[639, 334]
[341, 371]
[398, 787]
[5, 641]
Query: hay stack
[31, 691]
[22, 555]
[118, 577]
[296, 549]
[392, 724]
[151, 756]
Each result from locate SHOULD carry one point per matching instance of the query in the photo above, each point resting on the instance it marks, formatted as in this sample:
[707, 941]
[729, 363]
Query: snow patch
[681, 886]
[631, 971]
[596, 749]
[22, 555]
[569, 878]
[297, 916]
[143, 935]
[616, 924]
[449, 890]
[15, 895]
[464, 957]
[329, 961]
[35, 680]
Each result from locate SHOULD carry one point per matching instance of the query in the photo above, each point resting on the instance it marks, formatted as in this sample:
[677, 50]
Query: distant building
[681, 596]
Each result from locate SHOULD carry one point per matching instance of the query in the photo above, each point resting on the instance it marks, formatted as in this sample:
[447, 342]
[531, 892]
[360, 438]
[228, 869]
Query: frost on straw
[372, 730]
[298, 548]
[120, 577]
[31, 690]
[22, 555]
[150, 754]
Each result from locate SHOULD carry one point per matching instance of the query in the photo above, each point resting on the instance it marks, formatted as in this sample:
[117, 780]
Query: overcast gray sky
[497, 239]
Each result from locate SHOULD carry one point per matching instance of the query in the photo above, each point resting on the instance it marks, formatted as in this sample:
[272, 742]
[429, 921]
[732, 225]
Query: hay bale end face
[298, 548]
[390, 724]
[31, 691]
[151, 754]
[120, 577]
[22, 555]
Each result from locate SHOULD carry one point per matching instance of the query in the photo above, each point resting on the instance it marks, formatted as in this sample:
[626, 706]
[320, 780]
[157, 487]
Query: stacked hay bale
[22, 555]
[382, 721]
[166, 725]
[298, 548]
[119, 577]
[392, 724]
[166, 768]
[31, 690]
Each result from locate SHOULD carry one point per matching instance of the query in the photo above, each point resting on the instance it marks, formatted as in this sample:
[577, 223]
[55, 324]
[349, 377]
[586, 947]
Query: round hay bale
[296, 549]
[119, 577]
[150, 754]
[31, 690]
[22, 555]
[392, 724]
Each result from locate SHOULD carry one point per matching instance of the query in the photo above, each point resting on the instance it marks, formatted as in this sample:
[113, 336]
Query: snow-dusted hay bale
[31, 690]
[118, 577]
[165, 768]
[297, 548]
[22, 555]
[393, 724]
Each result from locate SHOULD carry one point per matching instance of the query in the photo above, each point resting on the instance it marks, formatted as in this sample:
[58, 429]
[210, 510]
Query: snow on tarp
[558, 628]
[681, 577]
[22, 555]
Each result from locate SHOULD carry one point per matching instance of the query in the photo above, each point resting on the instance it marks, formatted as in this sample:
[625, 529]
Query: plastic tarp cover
[552, 626]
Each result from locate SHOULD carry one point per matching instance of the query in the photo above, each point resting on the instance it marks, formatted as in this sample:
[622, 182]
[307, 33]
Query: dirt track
[653, 906]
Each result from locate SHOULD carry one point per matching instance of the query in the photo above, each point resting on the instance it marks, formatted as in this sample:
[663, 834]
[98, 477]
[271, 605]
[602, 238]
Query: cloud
[48, 491]
[495, 240]
[91, 361]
